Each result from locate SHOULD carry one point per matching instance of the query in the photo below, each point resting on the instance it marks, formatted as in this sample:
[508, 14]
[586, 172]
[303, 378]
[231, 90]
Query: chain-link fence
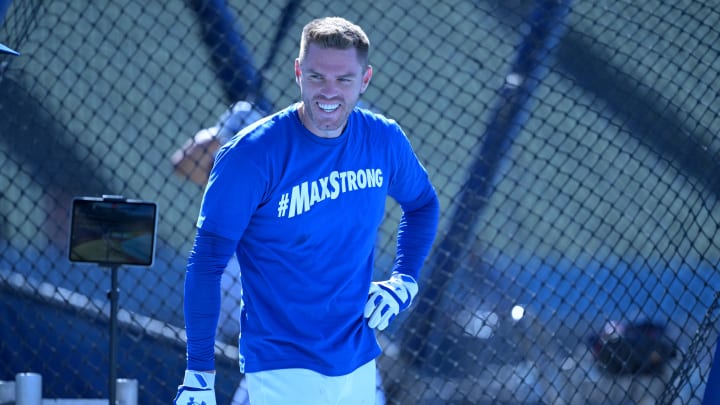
[573, 145]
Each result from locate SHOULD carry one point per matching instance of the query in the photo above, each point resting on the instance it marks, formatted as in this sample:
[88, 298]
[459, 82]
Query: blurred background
[573, 146]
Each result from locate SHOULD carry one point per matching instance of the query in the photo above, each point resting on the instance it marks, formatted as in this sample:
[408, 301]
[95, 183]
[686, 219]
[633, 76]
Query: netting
[573, 146]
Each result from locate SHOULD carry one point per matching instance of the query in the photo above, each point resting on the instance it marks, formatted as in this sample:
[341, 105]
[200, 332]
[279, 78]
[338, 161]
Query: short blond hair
[336, 33]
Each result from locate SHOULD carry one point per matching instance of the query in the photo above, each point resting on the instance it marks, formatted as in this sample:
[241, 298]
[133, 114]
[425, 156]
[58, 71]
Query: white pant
[296, 386]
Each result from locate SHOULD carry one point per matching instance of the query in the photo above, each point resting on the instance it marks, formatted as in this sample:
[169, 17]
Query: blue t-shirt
[303, 213]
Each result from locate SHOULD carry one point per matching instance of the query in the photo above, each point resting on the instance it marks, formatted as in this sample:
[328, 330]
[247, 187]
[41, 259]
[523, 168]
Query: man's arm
[195, 158]
[386, 299]
[416, 233]
[206, 264]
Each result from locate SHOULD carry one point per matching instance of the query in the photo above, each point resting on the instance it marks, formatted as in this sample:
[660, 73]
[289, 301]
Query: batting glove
[198, 388]
[388, 298]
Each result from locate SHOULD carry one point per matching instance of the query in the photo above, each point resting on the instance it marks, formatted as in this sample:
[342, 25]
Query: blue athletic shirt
[302, 213]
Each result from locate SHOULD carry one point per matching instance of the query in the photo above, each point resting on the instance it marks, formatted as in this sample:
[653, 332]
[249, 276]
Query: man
[195, 158]
[193, 161]
[299, 197]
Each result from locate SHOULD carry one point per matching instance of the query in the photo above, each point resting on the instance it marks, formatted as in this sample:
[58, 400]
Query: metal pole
[127, 391]
[546, 26]
[112, 375]
[28, 389]
[4, 6]
[230, 55]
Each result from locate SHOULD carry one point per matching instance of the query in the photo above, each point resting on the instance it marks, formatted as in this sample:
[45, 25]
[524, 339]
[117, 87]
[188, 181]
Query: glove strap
[199, 379]
[409, 284]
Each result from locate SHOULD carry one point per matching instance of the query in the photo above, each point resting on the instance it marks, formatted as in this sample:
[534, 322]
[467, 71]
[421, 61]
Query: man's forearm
[416, 234]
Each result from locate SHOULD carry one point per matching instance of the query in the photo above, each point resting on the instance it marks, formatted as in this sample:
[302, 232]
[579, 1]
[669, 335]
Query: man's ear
[297, 71]
[366, 79]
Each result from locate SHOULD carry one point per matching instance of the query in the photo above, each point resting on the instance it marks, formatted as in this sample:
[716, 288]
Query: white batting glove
[198, 388]
[387, 298]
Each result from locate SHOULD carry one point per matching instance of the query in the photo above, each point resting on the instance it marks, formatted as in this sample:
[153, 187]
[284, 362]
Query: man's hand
[198, 388]
[387, 298]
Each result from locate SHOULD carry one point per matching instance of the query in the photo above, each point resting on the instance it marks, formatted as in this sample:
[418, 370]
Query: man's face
[331, 81]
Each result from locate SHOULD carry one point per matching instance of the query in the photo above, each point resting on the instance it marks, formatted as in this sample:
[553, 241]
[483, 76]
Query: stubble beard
[315, 116]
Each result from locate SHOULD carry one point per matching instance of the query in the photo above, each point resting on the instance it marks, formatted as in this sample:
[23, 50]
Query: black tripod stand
[113, 295]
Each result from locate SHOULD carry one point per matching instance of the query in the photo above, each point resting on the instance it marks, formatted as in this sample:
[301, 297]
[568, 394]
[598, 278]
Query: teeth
[328, 107]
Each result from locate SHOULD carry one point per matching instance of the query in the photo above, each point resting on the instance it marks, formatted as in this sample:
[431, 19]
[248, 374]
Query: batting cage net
[573, 146]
